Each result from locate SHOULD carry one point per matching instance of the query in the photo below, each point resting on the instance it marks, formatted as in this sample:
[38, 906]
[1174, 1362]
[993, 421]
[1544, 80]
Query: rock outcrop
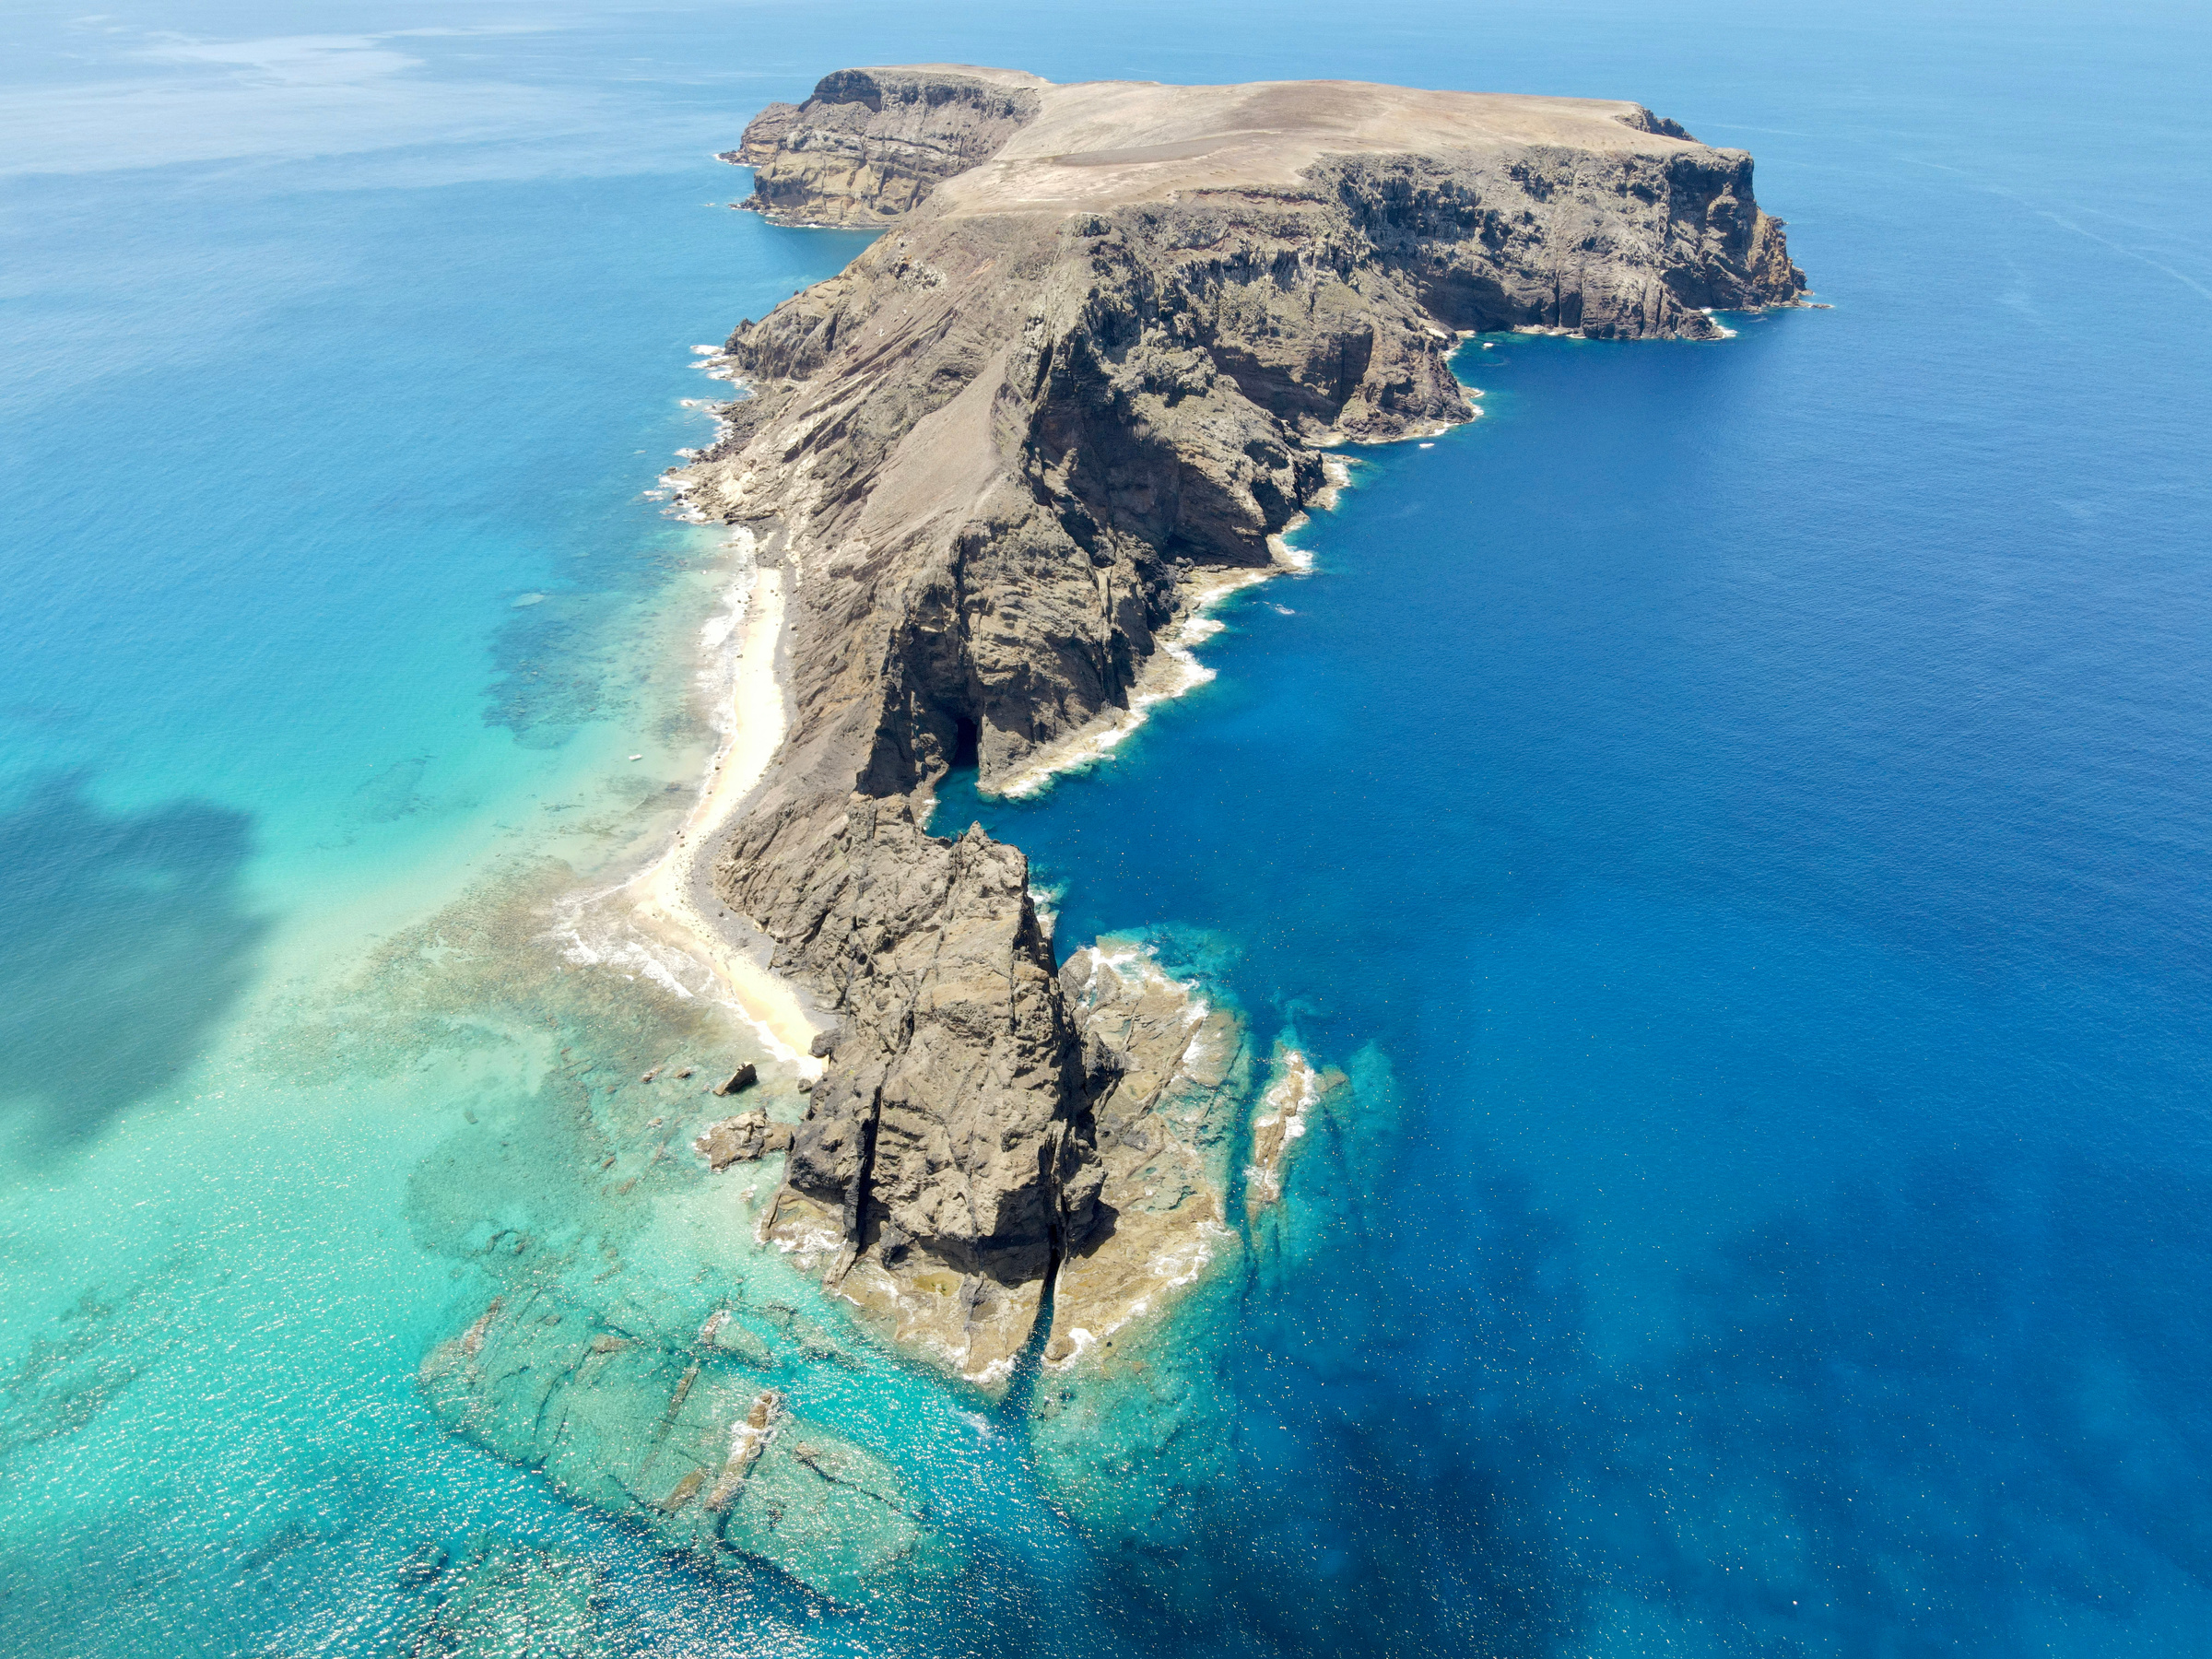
[869, 145]
[1098, 351]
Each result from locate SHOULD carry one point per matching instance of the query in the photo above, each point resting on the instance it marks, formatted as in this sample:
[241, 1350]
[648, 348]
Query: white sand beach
[663, 893]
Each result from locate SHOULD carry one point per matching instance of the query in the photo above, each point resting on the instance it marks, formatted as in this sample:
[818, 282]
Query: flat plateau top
[1110, 143]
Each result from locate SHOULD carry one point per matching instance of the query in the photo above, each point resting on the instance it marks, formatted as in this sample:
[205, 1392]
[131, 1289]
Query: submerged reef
[1091, 368]
[679, 1431]
[619, 1326]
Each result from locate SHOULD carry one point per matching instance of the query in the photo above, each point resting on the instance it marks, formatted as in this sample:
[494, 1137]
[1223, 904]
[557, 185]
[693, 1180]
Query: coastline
[1002, 504]
[1156, 1260]
[1019, 454]
[1174, 669]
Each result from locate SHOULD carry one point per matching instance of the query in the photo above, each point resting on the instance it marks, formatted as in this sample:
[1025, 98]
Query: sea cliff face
[1099, 351]
[866, 148]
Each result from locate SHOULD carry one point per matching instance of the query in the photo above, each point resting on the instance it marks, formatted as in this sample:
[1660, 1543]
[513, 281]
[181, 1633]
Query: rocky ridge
[1095, 360]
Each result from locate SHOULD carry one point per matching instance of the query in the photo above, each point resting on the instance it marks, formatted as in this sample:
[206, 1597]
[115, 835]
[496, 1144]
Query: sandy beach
[667, 896]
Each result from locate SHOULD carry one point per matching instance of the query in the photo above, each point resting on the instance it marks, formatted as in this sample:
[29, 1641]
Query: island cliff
[1097, 356]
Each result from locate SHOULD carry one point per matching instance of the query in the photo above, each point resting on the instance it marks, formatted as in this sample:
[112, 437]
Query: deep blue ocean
[1739, 814]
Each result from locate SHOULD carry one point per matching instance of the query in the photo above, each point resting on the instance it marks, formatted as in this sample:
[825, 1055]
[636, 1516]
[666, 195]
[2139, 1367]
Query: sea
[1736, 817]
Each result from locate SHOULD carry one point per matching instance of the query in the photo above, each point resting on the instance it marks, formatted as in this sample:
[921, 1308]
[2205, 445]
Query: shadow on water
[130, 942]
[1028, 1364]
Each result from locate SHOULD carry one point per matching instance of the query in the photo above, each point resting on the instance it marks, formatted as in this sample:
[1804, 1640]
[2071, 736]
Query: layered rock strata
[1094, 360]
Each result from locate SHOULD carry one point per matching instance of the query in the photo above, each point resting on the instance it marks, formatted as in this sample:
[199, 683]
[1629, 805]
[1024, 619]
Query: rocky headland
[1087, 377]
[981, 486]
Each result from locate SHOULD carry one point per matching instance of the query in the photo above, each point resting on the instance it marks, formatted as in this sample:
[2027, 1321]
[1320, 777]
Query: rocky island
[1091, 372]
[1099, 356]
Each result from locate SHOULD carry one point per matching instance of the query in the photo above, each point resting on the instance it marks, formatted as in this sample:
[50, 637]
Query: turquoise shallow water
[1735, 813]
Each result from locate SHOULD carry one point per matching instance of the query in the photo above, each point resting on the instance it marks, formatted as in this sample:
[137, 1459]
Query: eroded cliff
[1099, 349]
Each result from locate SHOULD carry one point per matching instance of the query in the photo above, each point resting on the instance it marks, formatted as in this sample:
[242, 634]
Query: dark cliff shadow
[129, 942]
[1028, 1364]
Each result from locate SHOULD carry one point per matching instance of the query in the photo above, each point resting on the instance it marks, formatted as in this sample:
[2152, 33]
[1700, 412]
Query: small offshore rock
[740, 1139]
[743, 1078]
